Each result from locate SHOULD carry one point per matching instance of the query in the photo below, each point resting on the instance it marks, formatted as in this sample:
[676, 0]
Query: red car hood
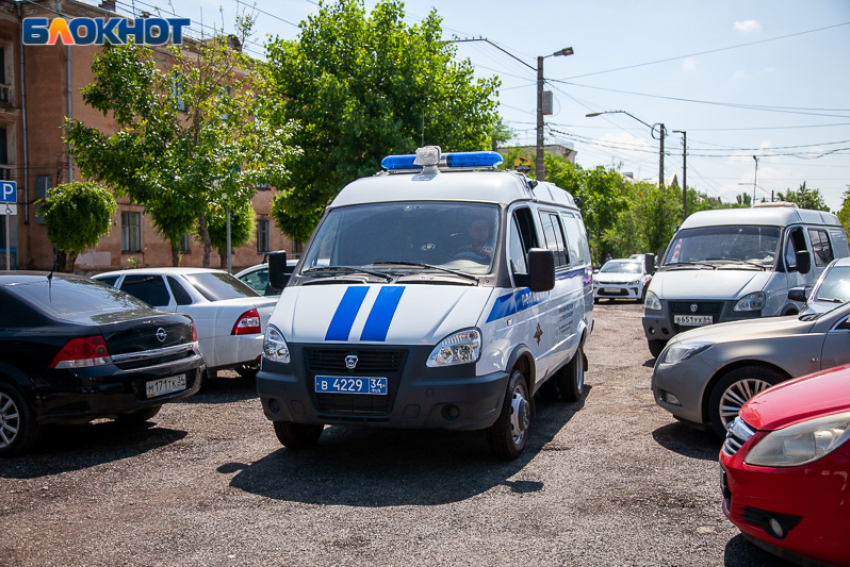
[823, 393]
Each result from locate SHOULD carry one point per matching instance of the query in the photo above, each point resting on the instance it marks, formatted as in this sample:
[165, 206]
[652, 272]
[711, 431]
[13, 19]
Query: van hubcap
[519, 416]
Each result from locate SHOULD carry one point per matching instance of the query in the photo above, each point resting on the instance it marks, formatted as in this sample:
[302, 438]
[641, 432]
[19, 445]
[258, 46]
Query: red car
[785, 469]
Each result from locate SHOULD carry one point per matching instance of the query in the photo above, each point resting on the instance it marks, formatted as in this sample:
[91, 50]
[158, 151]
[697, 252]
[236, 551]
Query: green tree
[805, 198]
[242, 227]
[77, 215]
[844, 213]
[185, 135]
[360, 87]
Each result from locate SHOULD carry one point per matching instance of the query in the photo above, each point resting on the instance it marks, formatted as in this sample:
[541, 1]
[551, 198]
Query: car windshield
[217, 286]
[454, 236]
[835, 285]
[719, 245]
[621, 267]
[76, 299]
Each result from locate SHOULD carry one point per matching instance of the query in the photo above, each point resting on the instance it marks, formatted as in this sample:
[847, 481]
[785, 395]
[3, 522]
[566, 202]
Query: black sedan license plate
[360, 385]
[165, 386]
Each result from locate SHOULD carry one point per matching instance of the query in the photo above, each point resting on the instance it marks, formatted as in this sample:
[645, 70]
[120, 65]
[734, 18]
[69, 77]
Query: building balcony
[7, 172]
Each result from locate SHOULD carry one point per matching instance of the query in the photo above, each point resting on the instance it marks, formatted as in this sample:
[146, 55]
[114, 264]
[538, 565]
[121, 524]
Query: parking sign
[8, 192]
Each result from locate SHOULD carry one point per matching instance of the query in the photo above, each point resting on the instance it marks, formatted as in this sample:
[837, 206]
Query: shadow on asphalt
[650, 363]
[66, 448]
[373, 467]
[741, 553]
[688, 441]
[224, 390]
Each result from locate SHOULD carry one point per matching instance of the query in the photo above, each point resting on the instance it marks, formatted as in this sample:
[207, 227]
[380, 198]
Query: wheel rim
[736, 395]
[519, 416]
[579, 372]
[9, 421]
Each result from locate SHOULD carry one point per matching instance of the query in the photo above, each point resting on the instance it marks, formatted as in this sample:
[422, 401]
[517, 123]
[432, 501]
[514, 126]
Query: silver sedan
[705, 375]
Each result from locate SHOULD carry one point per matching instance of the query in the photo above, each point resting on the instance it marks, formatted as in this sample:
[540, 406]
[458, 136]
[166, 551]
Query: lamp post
[540, 166]
[662, 132]
[755, 180]
[684, 173]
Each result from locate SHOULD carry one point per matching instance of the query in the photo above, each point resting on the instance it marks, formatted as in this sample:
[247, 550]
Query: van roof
[484, 186]
[772, 216]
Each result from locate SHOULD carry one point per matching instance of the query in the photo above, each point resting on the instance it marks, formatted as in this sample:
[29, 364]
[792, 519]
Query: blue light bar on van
[399, 162]
[473, 159]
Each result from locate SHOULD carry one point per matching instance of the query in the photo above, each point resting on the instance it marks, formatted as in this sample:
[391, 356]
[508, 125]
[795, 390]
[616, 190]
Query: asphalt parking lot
[611, 480]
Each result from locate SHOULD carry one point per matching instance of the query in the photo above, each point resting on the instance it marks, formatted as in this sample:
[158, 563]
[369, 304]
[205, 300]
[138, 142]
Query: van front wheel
[297, 435]
[508, 436]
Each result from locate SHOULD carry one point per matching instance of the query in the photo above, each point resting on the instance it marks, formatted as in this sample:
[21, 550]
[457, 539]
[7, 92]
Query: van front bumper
[418, 397]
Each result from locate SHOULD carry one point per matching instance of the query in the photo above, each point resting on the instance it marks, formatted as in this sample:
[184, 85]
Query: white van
[732, 264]
[432, 295]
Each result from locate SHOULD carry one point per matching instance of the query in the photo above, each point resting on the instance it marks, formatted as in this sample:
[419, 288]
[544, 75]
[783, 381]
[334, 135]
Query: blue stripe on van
[346, 312]
[521, 299]
[378, 323]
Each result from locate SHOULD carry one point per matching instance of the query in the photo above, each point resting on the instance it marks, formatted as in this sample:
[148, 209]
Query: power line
[667, 60]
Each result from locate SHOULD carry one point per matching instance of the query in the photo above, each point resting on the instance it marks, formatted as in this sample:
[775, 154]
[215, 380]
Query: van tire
[734, 389]
[509, 435]
[571, 378]
[296, 436]
[656, 346]
[17, 423]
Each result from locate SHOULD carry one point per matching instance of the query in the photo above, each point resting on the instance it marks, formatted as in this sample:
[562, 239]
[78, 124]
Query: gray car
[705, 375]
[832, 287]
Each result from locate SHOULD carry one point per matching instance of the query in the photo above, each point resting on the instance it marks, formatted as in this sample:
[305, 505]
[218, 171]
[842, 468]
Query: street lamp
[662, 132]
[540, 166]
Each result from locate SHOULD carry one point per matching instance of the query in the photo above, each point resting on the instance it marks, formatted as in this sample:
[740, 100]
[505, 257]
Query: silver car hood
[724, 283]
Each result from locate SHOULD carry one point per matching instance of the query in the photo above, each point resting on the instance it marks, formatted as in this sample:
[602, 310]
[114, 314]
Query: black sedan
[73, 350]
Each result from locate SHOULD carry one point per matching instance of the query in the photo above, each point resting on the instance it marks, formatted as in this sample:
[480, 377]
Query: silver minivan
[733, 264]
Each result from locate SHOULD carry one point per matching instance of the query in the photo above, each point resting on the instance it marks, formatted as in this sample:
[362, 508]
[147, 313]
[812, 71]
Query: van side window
[576, 239]
[821, 249]
[554, 235]
[516, 250]
[794, 242]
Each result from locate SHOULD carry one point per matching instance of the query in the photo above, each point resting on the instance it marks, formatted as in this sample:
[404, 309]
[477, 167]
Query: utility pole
[539, 163]
[661, 157]
[755, 181]
[684, 173]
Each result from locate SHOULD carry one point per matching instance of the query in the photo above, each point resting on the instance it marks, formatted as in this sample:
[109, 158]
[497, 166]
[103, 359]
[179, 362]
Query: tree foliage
[360, 86]
[77, 215]
[242, 227]
[185, 135]
[805, 198]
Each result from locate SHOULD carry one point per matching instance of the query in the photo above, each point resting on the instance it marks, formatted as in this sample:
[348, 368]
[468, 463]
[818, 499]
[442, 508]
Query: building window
[186, 244]
[131, 232]
[42, 185]
[177, 88]
[262, 236]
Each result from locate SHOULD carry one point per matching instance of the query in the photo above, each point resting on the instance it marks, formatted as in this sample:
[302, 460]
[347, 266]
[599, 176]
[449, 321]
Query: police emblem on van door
[538, 333]
[351, 362]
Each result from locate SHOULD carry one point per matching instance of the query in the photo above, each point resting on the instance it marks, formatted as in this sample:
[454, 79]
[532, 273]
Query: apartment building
[39, 87]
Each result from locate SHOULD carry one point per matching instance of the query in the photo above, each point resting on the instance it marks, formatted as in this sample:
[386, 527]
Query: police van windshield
[724, 246]
[454, 236]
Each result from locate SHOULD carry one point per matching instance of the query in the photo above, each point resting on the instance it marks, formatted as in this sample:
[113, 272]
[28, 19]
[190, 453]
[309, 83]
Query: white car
[230, 316]
[257, 277]
[621, 279]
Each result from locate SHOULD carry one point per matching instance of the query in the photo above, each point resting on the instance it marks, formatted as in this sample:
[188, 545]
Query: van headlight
[753, 302]
[274, 346]
[802, 443]
[683, 351]
[651, 302]
[462, 347]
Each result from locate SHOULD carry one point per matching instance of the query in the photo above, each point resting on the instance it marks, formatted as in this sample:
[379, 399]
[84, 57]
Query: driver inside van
[479, 249]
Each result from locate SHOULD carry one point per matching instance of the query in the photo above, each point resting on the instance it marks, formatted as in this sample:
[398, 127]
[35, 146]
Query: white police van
[433, 295]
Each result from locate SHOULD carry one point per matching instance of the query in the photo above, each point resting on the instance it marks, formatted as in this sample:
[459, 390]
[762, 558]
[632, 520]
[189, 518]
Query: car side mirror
[541, 269]
[277, 269]
[799, 293]
[804, 262]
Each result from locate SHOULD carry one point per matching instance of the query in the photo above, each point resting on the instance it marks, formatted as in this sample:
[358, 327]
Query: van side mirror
[541, 269]
[277, 269]
[804, 262]
[799, 293]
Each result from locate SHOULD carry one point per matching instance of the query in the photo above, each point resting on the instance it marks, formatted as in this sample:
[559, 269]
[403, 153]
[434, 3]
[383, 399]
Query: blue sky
[768, 78]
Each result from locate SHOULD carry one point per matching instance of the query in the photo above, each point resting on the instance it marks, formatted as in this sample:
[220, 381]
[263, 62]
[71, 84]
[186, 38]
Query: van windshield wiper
[830, 299]
[745, 262]
[427, 266]
[675, 265]
[347, 269]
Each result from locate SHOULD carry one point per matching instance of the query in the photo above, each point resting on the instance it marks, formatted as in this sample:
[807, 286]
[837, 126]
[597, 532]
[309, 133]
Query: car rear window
[218, 286]
[78, 299]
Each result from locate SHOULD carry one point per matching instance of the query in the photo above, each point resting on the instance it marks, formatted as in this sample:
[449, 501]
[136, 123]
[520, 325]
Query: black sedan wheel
[18, 429]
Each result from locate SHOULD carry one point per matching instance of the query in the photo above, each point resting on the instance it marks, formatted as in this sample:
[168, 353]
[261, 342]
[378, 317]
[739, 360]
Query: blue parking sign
[8, 192]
